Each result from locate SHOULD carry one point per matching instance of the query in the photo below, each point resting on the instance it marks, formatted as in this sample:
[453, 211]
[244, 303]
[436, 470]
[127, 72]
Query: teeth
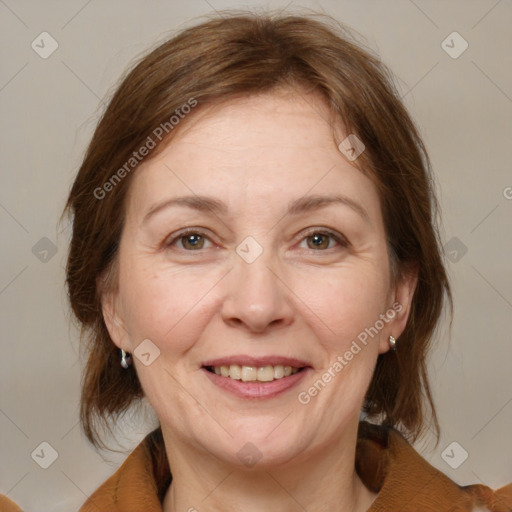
[253, 373]
[278, 372]
[235, 372]
[266, 374]
[249, 373]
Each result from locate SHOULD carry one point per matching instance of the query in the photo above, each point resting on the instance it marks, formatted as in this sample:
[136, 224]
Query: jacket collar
[385, 461]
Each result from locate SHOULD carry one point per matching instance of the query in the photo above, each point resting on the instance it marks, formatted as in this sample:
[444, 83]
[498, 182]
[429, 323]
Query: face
[251, 245]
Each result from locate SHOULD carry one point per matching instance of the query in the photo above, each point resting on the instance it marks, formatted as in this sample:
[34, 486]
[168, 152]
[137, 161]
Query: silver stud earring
[392, 343]
[126, 359]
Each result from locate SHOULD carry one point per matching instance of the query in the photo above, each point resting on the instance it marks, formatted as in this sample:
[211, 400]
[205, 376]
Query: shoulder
[136, 486]
[133, 486]
[389, 465]
[7, 505]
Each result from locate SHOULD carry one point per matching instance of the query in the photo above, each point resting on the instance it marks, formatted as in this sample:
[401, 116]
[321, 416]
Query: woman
[255, 252]
[254, 232]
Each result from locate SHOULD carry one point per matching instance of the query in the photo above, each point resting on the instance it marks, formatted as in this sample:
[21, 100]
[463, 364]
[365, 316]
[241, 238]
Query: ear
[114, 319]
[401, 301]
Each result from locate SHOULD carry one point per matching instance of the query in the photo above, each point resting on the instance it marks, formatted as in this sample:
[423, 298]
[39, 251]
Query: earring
[392, 343]
[126, 359]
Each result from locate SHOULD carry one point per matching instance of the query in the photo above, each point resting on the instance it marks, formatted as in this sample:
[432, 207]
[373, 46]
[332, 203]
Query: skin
[256, 154]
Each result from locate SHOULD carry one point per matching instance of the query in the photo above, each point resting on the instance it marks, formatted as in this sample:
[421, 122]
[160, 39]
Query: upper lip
[245, 360]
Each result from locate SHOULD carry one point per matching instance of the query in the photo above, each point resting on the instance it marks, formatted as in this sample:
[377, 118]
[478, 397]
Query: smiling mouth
[267, 373]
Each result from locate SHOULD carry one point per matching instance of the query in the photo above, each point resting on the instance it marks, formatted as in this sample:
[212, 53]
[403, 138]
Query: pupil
[319, 241]
[193, 240]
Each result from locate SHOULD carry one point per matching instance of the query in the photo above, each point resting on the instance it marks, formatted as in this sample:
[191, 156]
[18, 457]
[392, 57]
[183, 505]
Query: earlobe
[401, 305]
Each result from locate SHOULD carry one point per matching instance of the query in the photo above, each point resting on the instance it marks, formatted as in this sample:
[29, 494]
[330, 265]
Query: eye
[320, 240]
[189, 240]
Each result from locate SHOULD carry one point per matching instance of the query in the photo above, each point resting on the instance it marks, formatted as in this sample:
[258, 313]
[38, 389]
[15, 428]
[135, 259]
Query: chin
[261, 443]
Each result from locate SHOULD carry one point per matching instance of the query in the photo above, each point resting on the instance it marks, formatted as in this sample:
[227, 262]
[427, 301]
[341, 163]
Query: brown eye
[318, 241]
[192, 241]
[189, 240]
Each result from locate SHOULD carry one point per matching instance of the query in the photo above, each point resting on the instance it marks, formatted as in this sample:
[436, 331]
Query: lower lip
[256, 389]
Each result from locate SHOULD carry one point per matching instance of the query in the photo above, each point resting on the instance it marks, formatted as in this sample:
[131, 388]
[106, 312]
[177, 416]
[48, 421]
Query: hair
[241, 54]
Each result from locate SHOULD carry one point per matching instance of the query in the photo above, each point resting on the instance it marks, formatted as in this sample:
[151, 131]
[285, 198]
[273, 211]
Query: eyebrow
[311, 203]
[305, 204]
[195, 202]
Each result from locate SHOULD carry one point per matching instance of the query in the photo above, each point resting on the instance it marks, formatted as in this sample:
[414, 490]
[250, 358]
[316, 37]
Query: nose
[257, 299]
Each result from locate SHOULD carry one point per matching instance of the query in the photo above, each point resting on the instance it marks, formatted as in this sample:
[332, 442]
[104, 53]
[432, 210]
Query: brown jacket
[385, 461]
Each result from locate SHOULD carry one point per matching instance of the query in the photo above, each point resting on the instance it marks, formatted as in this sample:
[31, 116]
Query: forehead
[252, 148]
[281, 119]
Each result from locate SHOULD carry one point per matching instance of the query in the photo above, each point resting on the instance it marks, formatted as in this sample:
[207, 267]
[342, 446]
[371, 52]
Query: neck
[325, 480]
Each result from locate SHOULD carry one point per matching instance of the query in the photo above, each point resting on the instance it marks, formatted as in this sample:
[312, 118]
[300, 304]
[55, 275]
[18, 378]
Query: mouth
[249, 377]
[244, 373]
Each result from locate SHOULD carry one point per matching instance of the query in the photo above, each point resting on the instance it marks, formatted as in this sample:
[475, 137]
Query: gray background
[48, 110]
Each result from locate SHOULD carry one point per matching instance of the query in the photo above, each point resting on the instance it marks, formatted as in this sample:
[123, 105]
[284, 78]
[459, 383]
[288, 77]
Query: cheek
[342, 304]
[167, 306]
[172, 309]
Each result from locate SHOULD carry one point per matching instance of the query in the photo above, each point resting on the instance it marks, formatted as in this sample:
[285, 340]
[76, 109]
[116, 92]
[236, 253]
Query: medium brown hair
[242, 54]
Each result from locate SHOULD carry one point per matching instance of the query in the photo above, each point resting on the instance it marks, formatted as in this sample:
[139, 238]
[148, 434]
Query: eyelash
[341, 240]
